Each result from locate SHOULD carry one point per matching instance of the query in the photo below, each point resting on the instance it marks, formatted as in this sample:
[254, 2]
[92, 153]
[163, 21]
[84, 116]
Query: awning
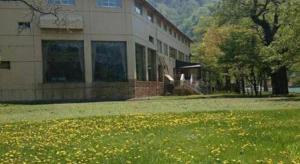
[191, 66]
[187, 65]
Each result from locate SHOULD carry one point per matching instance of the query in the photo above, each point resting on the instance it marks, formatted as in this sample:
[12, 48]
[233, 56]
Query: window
[23, 25]
[158, 21]
[170, 31]
[109, 61]
[63, 61]
[151, 39]
[150, 17]
[181, 56]
[166, 49]
[61, 2]
[175, 35]
[152, 68]
[138, 8]
[159, 46]
[173, 52]
[165, 27]
[109, 3]
[140, 57]
[4, 64]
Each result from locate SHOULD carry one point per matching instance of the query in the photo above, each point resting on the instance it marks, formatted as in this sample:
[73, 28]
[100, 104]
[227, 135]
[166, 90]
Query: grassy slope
[207, 137]
[14, 113]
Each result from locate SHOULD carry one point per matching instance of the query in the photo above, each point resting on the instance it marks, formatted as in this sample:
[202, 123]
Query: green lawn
[196, 129]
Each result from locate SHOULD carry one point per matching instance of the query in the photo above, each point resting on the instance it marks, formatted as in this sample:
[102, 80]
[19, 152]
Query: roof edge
[164, 17]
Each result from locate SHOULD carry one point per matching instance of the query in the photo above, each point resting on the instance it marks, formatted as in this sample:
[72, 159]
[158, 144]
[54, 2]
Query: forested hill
[184, 13]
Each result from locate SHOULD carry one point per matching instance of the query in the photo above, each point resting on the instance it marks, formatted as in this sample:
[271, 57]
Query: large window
[152, 67]
[140, 62]
[109, 61]
[166, 49]
[61, 2]
[63, 61]
[109, 3]
[138, 7]
[159, 46]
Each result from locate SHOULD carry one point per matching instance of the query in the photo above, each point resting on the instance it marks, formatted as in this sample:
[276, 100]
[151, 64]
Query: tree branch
[36, 9]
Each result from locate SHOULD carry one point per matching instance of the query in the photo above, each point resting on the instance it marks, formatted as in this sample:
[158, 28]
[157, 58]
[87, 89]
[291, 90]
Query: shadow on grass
[293, 97]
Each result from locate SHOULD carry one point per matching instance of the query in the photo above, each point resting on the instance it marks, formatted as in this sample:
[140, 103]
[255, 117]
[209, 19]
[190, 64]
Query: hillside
[185, 14]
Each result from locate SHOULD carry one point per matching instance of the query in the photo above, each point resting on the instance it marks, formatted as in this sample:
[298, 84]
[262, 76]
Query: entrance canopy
[187, 65]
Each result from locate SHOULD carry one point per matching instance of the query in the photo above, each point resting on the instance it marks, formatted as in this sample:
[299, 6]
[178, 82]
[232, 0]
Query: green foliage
[185, 14]
[240, 52]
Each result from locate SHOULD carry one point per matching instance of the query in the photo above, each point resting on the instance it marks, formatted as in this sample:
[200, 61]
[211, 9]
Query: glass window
[166, 49]
[158, 21]
[150, 16]
[152, 68]
[4, 64]
[165, 27]
[61, 2]
[63, 61]
[173, 52]
[109, 3]
[159, 46]
[170, 31]
[140, 57]
[151, 39]
[109, 61]
[181, 56]
[138, 8]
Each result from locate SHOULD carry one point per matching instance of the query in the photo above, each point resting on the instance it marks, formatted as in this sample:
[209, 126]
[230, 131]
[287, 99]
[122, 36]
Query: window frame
[6, 65]
[159, 46]
[143, 63]
[109, 7]
[150, 16]
[93, 42]
[138, 7]
[61, 3]
[45, 61]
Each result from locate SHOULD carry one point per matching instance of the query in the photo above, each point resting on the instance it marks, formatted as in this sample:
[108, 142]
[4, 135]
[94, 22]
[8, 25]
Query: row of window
[99, 3]
[163, 48]
[142, 67]
[139, 9]
[63, 61]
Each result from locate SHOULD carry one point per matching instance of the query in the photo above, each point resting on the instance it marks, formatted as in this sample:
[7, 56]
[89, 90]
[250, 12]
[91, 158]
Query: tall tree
[241, 56]
[268, 18]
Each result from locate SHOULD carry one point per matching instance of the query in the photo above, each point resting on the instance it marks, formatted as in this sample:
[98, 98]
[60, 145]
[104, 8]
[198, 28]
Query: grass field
[193, 129]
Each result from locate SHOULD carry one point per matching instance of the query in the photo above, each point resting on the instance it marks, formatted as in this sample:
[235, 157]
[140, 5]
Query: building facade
[92, 50]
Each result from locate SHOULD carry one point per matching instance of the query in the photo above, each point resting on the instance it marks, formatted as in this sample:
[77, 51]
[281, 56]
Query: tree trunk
[266, 87]
[227, 84]
[237, 87]
[243, 85]
[280, 82]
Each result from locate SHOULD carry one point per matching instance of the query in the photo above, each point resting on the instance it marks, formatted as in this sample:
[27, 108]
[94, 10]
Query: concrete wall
[24, 80]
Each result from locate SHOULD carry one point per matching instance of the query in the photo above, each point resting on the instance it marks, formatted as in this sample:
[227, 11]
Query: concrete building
[93, 50]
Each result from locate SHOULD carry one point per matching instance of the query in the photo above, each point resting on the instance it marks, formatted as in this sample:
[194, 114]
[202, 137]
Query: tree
[241, 56]
[270, 19]
[37, 7]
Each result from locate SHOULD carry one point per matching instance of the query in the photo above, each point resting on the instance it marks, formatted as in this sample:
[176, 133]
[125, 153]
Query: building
[92, 50]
